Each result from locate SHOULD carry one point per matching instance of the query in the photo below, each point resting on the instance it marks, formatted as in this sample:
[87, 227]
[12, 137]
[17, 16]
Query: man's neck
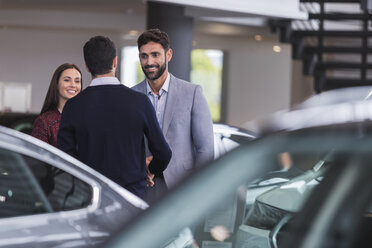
[158, 83]
[110, 74]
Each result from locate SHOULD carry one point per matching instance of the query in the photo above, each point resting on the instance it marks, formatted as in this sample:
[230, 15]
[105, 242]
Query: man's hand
[148, 160]
[149, 180]
[150, 177]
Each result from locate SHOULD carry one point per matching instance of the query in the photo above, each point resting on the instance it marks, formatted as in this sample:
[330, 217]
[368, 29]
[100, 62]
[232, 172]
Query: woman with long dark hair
[65, 84]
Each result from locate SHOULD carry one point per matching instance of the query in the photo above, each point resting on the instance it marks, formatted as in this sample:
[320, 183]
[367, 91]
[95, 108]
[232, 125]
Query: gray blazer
[187, 127]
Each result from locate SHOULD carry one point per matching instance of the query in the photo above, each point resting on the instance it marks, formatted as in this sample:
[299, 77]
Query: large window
[206, 70]
[130, 68]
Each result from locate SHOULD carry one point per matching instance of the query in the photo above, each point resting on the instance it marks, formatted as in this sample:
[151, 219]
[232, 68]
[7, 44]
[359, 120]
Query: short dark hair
[154, 35]
[99, 52]
[52, 97]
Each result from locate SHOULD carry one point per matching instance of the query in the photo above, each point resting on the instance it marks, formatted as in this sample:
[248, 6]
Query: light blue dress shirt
[159, 101]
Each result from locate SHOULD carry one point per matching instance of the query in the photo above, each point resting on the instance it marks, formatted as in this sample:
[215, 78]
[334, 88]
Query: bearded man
[181, 109]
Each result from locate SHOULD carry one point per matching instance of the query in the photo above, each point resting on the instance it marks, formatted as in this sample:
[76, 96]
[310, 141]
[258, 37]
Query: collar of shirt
[105, 81]
[163, 88]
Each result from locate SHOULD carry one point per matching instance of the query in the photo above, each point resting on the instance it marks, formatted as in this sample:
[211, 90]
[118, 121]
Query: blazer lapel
[172, 100]
[143, 87]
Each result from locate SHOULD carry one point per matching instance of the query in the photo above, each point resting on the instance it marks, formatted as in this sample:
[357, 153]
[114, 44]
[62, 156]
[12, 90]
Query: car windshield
[216, 204]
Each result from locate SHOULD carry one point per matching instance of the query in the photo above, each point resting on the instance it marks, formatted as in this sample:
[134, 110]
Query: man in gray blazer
[181, 109]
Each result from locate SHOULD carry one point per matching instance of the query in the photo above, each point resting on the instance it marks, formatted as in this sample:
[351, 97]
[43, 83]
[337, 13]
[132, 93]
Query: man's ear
[115, 62]
[86, 67]
[169, 54]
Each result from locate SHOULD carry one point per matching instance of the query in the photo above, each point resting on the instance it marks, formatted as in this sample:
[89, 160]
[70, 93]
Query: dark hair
[99, 53]
[154, 35]
[52, 97]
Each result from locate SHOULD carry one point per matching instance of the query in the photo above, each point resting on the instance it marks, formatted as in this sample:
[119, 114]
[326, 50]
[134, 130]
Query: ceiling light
[131, 35]
[258, 37]
[277, 49]
[133, 32]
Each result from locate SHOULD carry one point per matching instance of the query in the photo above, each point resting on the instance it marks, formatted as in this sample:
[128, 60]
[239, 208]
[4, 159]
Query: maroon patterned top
[46, 127]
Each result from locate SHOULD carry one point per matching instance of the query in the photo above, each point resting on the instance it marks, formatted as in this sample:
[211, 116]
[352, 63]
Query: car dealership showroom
[280, 92]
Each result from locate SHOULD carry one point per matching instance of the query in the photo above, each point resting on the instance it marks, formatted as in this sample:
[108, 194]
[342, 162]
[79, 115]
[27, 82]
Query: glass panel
[130, 67]
[206, 70]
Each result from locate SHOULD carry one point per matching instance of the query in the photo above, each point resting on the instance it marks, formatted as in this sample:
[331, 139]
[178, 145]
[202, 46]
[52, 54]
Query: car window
[337, 214]
[30, 186]
[257, 214]
[249, 215]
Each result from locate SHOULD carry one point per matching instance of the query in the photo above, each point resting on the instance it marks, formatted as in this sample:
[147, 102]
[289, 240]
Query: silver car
[49, 199]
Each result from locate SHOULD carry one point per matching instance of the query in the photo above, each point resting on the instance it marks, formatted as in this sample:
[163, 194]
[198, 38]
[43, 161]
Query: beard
[155, 75]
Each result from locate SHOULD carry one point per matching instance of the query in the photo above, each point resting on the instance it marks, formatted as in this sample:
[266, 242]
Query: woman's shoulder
[50, 116]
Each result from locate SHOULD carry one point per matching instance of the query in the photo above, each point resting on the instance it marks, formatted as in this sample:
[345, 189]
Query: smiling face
[154, 60]
[69, 84]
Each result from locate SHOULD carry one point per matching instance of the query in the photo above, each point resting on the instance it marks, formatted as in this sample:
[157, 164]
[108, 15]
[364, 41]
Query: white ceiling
[289, 9]
[136, 7]
[118, 15]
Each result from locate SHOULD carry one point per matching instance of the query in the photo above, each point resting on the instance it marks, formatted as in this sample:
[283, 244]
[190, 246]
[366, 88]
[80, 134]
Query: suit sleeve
[157, 144]
[202, 128]
[66, 134]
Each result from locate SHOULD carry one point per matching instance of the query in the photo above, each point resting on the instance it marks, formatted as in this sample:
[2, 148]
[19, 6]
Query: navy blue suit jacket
[104, 127]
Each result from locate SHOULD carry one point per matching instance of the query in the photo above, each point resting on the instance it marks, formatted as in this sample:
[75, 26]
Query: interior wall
[302, 86]
[258, 80]
[32, 55]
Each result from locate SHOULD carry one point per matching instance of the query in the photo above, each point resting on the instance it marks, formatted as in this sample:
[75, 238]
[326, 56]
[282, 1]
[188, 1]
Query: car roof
[349, 105]
[336, 96]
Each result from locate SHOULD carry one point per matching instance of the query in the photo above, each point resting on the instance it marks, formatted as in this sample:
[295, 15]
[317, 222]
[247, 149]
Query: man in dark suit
[181, 109]
[104, 126]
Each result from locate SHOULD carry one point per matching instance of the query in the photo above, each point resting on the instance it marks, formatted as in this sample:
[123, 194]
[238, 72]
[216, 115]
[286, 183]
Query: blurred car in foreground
[49, 199]
[208, 209]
